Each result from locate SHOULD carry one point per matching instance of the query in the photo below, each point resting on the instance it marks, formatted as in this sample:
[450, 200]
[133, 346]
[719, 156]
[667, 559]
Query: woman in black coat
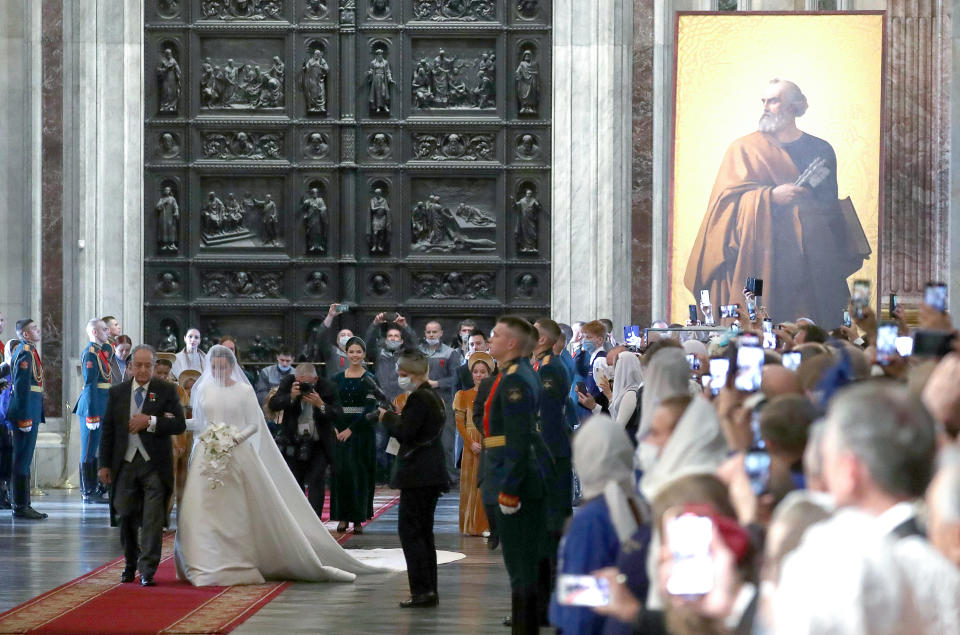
[420, 475]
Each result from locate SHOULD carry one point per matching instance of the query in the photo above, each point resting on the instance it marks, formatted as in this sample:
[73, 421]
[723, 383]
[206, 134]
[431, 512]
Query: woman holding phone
[420, 474]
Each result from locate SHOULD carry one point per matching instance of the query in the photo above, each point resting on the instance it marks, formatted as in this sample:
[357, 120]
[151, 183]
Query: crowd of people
[748, 477]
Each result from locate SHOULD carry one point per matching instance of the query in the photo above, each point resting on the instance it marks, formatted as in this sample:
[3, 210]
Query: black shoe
[508, 621]
[147, 580]
[342, 527]
[493, 542]
[28, 513]
[425, 600]
[129, 573]
[357, 529]
[5, 502]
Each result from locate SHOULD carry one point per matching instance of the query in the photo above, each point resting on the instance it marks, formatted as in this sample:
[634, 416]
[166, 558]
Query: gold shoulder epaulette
[512, 369]
[26, 347]
[91, 350]
[546, 360]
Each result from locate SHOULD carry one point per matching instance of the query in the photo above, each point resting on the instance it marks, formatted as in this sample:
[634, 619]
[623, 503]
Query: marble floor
[474, 592]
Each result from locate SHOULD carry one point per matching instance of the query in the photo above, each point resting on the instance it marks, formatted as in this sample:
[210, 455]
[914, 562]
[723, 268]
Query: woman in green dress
[354, 455]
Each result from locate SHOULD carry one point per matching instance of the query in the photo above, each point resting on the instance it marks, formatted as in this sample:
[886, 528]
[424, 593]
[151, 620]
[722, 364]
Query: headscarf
[627, 376]
[666, 375]
[603, 459]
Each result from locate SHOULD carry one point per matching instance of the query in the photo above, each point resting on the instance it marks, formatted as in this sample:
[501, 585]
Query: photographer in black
[308, 406]
[420, 474]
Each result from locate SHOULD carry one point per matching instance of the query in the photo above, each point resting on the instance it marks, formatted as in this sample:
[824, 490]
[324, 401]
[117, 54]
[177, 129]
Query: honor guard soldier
[113, 332]
[95, 368]
[26, 414]
[511, 480]
[556, 435]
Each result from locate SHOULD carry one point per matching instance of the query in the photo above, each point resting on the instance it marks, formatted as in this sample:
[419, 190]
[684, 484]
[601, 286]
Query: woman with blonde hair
[473, 518]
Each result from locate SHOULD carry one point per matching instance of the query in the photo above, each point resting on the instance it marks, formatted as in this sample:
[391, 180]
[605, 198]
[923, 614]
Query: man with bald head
[778, 380]
[775, 203]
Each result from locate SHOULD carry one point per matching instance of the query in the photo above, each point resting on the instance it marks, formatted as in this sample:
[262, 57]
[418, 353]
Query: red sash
[486, 406]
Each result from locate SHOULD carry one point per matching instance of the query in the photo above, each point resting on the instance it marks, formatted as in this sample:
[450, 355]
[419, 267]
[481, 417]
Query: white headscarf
[628, 375]
[603, 459]
[666, 375]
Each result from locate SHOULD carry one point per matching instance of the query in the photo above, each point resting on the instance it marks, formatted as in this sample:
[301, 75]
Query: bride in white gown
[257, 525]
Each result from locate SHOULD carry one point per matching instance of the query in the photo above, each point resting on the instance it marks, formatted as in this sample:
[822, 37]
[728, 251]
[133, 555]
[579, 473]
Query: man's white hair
[91, 325]
[792, 96]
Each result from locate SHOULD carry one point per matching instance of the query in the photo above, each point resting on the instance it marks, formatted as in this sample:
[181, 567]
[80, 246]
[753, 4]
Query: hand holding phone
[691, 569]
[582, 590]
[860, 298]
[935, 296]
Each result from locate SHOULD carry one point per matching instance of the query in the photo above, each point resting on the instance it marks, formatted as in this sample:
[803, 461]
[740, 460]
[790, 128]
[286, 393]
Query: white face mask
[393, 345]
[649, 455]
[405, 383]
[465, 337]
[343, 341]
[433, 341]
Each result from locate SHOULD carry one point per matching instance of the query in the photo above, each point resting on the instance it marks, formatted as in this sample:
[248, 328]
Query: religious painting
[777, 160]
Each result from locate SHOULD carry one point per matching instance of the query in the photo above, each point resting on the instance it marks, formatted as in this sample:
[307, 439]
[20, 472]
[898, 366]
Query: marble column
[954, 212]
[21, 80]
[103, 175]
[642, 199]
[591, 223]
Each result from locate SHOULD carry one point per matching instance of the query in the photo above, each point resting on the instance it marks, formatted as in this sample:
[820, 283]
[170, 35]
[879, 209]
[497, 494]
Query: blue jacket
[554, 427]
[96, 382]
[26, 403]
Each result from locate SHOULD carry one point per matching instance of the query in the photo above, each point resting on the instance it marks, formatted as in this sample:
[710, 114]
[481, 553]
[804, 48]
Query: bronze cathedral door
[392, 154]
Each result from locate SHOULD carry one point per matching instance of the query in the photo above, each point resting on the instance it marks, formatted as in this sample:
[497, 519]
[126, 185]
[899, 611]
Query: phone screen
[860, 297]
[689, 537]
[904, 346]
[767, 325]
[705, 296]
[791, 360]
[582, 590]
[729, 310]
[936, 296]
[894, 302]
[749, 368]
[757, 464]
[631, 336]
[846, 318]
[693, 361]
[769, 340]
[887, 343]
[718, 374]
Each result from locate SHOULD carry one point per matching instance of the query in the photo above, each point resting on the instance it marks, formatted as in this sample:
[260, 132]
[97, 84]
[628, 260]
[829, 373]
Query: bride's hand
[343, 435]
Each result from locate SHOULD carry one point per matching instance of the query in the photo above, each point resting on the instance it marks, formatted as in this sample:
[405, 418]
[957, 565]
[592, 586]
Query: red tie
[486, 406]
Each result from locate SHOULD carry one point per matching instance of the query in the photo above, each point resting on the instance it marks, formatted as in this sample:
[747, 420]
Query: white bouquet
[218, 441]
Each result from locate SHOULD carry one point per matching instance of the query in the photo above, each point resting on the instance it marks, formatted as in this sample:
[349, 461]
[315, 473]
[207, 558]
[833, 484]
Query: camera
[306, 388]
[377, 395]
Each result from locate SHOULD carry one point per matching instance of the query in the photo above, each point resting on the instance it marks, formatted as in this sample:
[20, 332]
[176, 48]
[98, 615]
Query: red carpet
[98, 603]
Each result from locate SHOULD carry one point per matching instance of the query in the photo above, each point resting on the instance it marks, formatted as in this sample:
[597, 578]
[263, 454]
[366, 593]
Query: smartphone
[846, 319]
[705, 381]
[769, 340]
[757, 464]
[767, 325]
[719, 367]
[932, 343]
[692, 313]
[689, 537]
[631, 336]
[791, 360]
[749, 339]
[860, 297]
[693, 361]
[887, 333]
[935, 296]
[582, 388]
[396, 316]
[729, 310]
[343, 307]
[705, 297]
[582, 590]
[749, 368]
[904, 346]
[894, 303]
[755, 286]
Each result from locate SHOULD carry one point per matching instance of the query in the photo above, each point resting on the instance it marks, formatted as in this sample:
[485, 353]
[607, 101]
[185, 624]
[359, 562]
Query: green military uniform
[511, 477]
[559, 485]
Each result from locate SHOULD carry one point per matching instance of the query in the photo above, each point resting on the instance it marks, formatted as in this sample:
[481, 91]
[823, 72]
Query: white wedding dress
[257, 525]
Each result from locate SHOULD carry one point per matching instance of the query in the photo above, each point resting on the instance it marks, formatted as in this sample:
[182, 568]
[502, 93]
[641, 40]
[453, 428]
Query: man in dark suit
[309, 406]
[136, 455]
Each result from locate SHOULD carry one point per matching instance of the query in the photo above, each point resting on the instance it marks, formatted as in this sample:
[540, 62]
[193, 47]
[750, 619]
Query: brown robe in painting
[803, 252]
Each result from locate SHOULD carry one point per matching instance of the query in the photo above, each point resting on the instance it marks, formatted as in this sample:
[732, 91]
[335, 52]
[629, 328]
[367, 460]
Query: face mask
[405, 383]
[393, 345]
[284, 369]
[464, 337]
[649, 455]
[343, 341]
[589, 346]
[433, 341]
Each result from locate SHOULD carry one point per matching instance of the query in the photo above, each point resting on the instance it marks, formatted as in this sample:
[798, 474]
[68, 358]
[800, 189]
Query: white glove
[508, 511]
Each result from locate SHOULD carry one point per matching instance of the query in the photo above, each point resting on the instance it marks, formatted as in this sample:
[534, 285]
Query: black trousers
[6, 453]
[415, 527]
[311, 475]
[139, 497]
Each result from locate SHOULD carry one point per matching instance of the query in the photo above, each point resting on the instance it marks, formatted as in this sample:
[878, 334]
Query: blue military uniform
[25, 414]
[512, 477]
[90, 408]
[555, 430]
